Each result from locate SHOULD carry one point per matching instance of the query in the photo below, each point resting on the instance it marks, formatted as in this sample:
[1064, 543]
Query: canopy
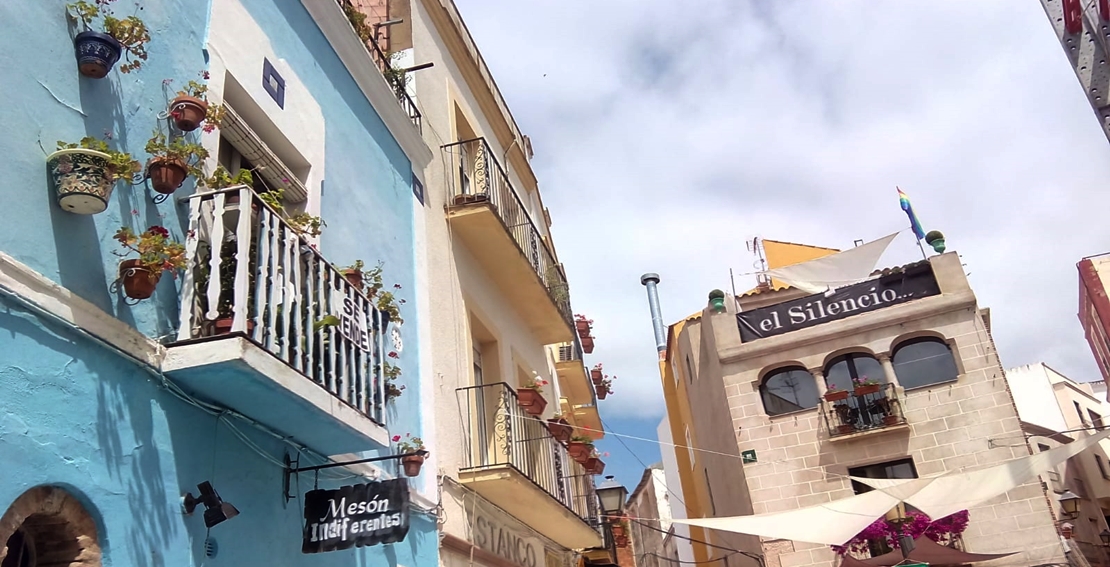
[925, 551]
[836, 270]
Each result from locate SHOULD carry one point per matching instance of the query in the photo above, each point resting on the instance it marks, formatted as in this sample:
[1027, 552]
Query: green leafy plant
[131, 33]
[191, 154]
[394, 73]
[304, 223]
[410, 444]
[196, 89]
[221, 179]
[533, 383]
[582, 439]
[364, 30]
[157, 251]
[607, 384]
[120, 164]
[864, 381]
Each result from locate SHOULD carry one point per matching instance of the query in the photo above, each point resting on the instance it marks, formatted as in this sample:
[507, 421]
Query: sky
[666, 134]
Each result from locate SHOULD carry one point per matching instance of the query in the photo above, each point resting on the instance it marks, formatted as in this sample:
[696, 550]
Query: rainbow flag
[906, 206]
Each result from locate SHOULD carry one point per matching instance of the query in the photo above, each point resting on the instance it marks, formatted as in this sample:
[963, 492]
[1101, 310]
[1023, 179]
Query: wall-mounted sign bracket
[293, 467]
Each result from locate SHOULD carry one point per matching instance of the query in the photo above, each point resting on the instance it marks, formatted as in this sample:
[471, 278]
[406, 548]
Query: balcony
[514, 462]
[573, 378]
[855, 416]
[381, 60]
[248, 337]
[486, 213]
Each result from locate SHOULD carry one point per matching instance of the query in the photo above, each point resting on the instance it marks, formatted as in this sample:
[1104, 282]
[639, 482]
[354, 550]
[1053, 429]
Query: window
[690, 447]
[478, 366]
[48, 526]
[923, 362]
[1096, 420]
[709, 490]
[1079, 412]
[902, 468]
[842, 370]
[788, 390]
[1101, 467]
[689, 369]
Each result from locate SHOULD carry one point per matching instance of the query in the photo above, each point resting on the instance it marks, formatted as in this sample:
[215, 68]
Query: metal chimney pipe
[651, 281]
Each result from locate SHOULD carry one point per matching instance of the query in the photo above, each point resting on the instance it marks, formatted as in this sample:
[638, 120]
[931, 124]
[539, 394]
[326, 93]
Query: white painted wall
[1032, 389]
[673, 486]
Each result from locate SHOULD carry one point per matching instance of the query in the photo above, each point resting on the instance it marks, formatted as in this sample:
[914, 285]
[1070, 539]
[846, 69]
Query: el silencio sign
[913, 283]
[356, 516]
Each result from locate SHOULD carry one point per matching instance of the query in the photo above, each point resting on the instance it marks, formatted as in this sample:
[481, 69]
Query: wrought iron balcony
[515, 462]
[848, 414]
[487, 213]
[386, 67]
[253, 300]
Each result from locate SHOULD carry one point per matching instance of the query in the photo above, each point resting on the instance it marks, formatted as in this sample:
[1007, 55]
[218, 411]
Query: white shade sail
[837, 270]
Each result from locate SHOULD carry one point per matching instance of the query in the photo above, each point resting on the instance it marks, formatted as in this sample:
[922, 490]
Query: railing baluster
[323, 304]
[214, 260]
[288, 249]
[242, 305]
[276, 287]
[188, 282]
[311, 315]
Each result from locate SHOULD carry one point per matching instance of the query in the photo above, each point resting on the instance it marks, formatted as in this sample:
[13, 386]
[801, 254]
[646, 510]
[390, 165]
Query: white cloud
[665, 135]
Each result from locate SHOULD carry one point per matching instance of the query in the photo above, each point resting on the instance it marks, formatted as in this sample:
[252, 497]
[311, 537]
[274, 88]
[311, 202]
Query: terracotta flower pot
[81, 180]
[836, 396]
[868, 389]
[559, 429]
[601, 391]
[596, 376]
[188, 112]
[96, 53]
[618, 530]
[353, 277]
[412, 464]
[138, 281]
[166, 174]
[845, 429]
[594, 466]
[531, 401]
[588, 345]
[578, 451]
[583, 328]
[223, 325]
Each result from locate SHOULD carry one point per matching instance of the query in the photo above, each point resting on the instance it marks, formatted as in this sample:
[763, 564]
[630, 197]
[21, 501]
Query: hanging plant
[157, 253]
[97, 52]
[172, 162]
[85, 173]
[191, 107]
[410, 462]
[605, 387]
[943, 531]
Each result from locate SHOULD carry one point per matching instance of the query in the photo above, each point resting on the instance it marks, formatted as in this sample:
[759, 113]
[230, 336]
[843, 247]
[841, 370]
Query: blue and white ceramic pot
[81, 179]
[96, 53]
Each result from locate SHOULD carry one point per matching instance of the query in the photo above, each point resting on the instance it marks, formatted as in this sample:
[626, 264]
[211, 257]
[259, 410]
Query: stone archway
[48, 527]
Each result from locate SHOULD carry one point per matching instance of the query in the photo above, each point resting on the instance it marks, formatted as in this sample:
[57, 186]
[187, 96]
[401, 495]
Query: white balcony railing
[254, 276]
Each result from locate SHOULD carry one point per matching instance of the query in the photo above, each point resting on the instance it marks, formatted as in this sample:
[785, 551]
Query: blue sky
[666, 137]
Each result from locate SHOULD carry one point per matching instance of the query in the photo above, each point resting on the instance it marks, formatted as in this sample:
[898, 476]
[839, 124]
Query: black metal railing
[392, 75]
[501, 433]
[865, 409]
[479, 178]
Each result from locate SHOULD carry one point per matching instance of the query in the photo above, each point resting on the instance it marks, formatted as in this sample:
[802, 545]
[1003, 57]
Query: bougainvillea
[941, 531]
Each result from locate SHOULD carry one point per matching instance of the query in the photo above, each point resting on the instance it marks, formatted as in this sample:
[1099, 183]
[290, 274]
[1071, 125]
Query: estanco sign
[915, 283]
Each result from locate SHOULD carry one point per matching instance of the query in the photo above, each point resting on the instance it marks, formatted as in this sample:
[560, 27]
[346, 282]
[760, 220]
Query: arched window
[788, 390]
[46, 525]
[842, 370]
[924, 361]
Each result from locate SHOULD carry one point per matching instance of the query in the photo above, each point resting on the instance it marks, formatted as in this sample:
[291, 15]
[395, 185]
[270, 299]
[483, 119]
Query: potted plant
[582, 325]
[559, 428]
[353, 274]
[580, 448]
[865, 385]
[605, 387]
[619, 527]
[596, 374]
[413, 449]
[594, 465]
[191, 107]
[392, 372]
[301, 223]
[97, 52]
[228, 266]
[835, 394]
[173, 162]
[85, 173]
[588, 345]
[157, 253]
[717, 301]
[529, 397]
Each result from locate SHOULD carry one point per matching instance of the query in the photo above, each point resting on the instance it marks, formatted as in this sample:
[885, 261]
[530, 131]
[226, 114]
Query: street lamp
[1069, 502]
[898, 518]
[1104, 535]
[612, 495]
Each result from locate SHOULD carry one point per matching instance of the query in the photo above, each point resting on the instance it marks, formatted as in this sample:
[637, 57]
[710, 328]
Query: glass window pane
[922, 362]
[788, 390]
[837, 375]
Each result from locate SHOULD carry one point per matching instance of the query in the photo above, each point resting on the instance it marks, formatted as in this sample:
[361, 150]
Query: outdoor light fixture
[215, 509]
[612, 496]
[897, 517]
[717, 301]
[1104, 535]
[1069, 502]
[935, 238]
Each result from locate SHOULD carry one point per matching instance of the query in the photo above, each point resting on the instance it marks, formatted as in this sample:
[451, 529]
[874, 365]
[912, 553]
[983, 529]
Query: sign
[498, 539]
[353, 323]
[356, 516]
[748, 456]
[915, 283]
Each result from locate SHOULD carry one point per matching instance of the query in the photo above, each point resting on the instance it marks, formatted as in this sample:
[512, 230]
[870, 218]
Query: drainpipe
[651, 281]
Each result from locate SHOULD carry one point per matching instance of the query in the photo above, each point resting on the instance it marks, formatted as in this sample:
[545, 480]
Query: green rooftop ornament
[717, 301]
[935, 238]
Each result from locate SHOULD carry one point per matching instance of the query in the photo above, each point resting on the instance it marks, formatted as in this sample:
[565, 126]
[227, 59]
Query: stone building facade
[763, 387]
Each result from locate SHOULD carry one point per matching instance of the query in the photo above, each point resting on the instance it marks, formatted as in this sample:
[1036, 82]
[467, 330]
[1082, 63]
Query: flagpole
[924, 256]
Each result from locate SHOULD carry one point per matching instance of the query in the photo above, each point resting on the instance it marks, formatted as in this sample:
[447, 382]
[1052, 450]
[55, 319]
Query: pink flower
[160, 231]
[605, 454]
[209, 127]
[135, 212]
[204, 74]
[166, 82]
[396, 438]
[396, 286]
[393, 354]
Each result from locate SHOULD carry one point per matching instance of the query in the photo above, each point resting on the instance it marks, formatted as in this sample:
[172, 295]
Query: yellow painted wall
[781, 254]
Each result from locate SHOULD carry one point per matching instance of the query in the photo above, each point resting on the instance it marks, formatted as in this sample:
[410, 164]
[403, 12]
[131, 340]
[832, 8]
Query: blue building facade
[262, 355]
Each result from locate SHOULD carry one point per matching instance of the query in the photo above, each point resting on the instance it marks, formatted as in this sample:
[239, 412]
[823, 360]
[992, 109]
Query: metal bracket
[293, 467]
[1086, 51]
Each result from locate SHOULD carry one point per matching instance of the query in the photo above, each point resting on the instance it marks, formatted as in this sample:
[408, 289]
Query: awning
[837, 270]
[925, 551]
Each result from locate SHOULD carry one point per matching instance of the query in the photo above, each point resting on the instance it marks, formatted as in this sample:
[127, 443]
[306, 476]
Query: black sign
[356, 516]
[914, 283]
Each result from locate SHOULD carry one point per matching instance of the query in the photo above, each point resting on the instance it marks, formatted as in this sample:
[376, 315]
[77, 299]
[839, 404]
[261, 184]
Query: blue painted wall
[75, 416]
[73, 413]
